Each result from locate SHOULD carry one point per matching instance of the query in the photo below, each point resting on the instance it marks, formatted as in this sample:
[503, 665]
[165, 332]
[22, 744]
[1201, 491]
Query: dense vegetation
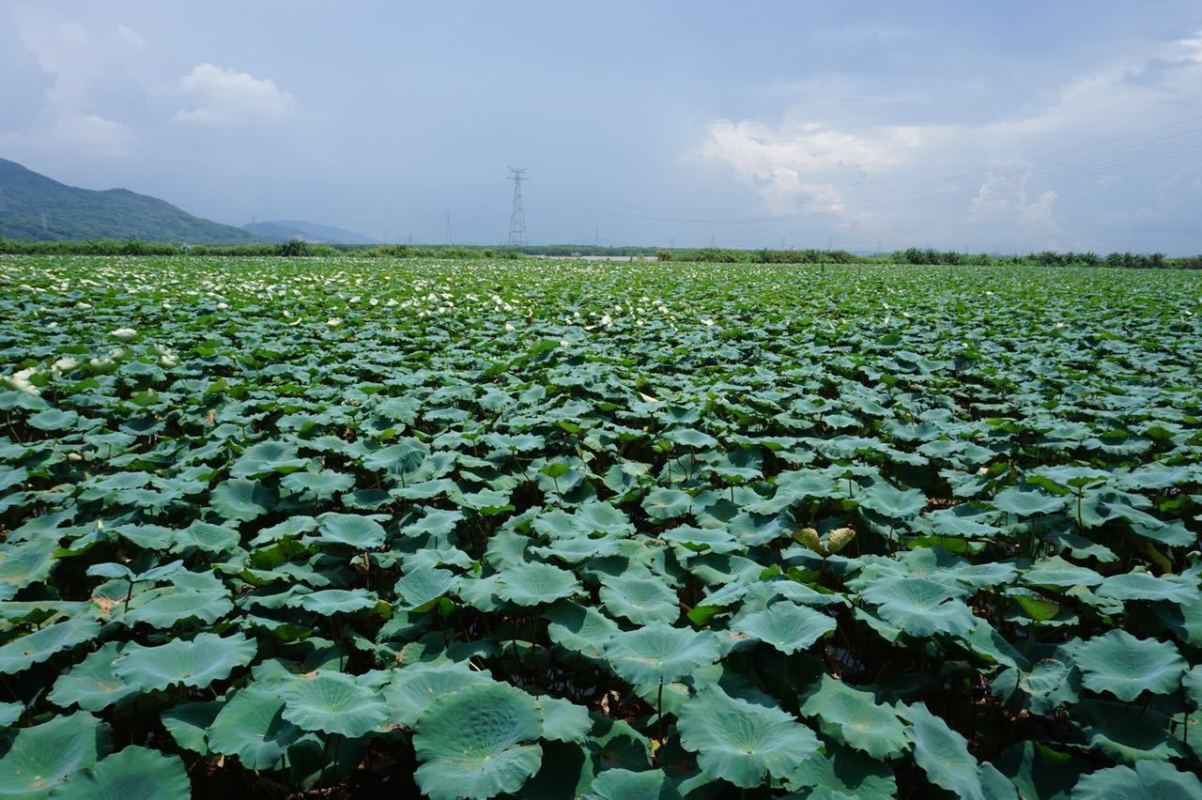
[709, 255]
[470, 528]
[34, 207]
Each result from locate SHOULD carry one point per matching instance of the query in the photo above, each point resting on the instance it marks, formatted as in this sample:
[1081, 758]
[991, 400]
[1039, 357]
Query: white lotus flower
[20, 381]
[123, 334]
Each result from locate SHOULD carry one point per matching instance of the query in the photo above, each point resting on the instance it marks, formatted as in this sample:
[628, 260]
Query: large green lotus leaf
[943, 754]
[135, 773]
[623, 784]
[265, 458]
[10, 713]
[25, 564]
[478, 742]
[786, 626]
[742, 742]
[563, 720]
[581, 629]
[535, 584]
[1048, 685]
[335, 601]
[251, 726]
[659, 653]
[892, 503]
[321, 485]
[1110, 727]
[640, 597]
[1055, 571]
[353, 530]
[195, 663]
[422, 585]
[1027, 502]
[1149, 780]
[25, 651]
[599, 517]
[242, 500]
[167, 606]
[919, 606]
[413, 688]
[92, 684]
[1119, 663]
[42, 757]
[1142, 586]
[843, 774]
[691, 437]
[188, 723]
[332, 702]
[701, 540]
[853, 717]
[205, 536]
[435, 522]
[663, 504]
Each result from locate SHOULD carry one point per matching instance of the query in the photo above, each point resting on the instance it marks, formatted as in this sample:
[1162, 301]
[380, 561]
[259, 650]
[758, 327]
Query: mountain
[33, 206]
[285, 229]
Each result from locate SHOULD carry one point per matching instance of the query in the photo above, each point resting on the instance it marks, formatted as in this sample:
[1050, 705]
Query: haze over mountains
[35, 207]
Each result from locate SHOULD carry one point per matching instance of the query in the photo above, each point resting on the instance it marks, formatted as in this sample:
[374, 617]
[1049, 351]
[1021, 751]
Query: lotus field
[553, 529]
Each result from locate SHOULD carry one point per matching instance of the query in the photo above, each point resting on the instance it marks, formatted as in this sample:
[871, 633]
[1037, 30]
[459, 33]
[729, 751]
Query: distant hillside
[283, 230]
[33, 206]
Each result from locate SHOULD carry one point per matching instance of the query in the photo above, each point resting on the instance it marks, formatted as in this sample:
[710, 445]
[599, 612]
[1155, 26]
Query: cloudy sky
[1001, 126]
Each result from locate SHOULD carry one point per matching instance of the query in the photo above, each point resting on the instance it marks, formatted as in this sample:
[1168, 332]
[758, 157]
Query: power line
[517, 214]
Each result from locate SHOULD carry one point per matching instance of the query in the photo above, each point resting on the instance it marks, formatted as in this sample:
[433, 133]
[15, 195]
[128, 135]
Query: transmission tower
[517, 216]
[448, 234]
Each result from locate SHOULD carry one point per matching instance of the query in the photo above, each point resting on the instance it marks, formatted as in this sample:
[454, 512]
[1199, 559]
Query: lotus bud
[809, 538]
[839, 538]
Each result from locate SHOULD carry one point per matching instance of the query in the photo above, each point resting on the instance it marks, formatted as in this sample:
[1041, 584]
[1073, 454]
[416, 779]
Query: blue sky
[1002, 126]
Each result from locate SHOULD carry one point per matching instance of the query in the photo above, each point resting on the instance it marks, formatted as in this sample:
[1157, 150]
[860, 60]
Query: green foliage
[357, 525]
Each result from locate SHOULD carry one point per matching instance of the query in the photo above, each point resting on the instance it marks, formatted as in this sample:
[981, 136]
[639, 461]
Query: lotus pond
[554, 529]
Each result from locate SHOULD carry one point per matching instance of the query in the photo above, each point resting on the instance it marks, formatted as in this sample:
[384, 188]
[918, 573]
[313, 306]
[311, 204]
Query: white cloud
[223, 96]
[994, 180]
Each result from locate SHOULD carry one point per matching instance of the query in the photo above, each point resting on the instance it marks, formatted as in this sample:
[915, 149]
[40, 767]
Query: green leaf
[893, 503]
[195, 663]
[742, 742]
[943, 754]
[477, 742]
[660, 653]
[640, 598]
[919, 606]
[135, 773]
[352, 530]
[1118, 663]
[535, 584]
[25, 651]
[623, 784]
[242, 500]
[786, 626]
[415, 686]
[42, 757]
[92, 684]
[1149, 780]
[853, 717]
[251, 726]
[332, 702]
[843, 774]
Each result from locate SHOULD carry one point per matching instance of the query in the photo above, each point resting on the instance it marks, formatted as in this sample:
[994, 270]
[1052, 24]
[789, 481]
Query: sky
[1001, 127]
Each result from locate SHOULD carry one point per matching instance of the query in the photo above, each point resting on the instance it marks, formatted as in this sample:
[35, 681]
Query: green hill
[33, 206]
